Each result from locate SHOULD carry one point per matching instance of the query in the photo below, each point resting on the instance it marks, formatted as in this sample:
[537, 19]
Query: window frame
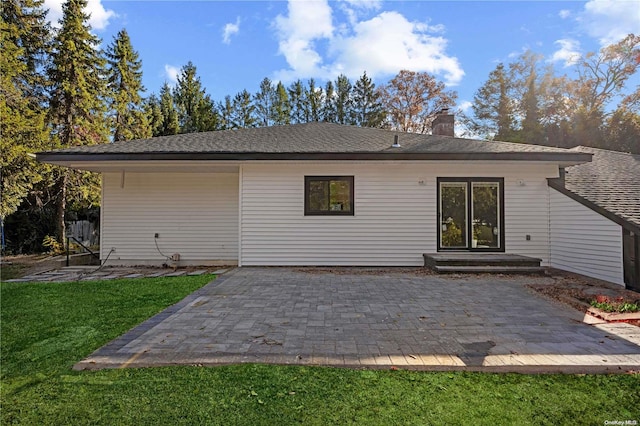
[307, 191]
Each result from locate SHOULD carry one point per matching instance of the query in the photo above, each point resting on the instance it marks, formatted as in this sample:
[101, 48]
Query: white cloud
[389, 42]
[569, 52]
[611, 20]
[465, 106]
[365, 4]
[171, 73]
[306, 22]
[382, 45]
[99, 16]
[564, 13]
[229, 30]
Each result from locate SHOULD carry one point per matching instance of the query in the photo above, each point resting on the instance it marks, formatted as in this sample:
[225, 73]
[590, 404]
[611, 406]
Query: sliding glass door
[453, 209]
[470, 212]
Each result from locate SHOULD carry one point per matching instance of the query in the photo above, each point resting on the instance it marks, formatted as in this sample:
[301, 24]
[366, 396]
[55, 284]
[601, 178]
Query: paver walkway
[90, 273]
[295, 316]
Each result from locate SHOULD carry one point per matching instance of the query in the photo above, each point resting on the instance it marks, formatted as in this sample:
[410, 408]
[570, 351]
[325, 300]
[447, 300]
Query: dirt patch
[577, 291]
[27, 264]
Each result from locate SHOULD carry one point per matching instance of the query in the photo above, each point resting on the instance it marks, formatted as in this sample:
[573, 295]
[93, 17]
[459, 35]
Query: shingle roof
[611, 180]
[303, 139]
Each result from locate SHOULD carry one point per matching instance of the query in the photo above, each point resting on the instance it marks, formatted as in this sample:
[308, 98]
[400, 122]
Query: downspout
[240, 190]
[561, 174]
[549, 242]
[102, 249]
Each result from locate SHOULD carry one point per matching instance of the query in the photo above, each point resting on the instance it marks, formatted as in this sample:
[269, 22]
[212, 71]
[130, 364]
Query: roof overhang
[558, 185]
[74, 160]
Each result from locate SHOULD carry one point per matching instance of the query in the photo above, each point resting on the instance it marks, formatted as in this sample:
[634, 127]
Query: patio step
[500, 263]
[490, 269]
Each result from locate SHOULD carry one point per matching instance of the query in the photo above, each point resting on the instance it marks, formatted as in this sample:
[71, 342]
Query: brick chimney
[443, 123]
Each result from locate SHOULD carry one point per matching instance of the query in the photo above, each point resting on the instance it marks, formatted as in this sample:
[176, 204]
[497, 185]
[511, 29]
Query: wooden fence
[84, 231]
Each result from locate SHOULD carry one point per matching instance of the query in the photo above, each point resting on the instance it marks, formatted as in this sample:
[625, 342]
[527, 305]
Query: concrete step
[489, 269]
[479, 259]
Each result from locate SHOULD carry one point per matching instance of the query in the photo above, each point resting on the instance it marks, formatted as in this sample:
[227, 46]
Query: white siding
[195, 215]
[395, 212]
[584, 241]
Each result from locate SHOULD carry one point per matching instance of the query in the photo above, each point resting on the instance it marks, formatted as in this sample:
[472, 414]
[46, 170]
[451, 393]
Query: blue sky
[235, 44]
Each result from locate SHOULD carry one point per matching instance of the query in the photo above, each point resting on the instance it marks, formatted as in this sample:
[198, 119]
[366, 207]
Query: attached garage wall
[395, 212]
[194, 214]
[584, 241]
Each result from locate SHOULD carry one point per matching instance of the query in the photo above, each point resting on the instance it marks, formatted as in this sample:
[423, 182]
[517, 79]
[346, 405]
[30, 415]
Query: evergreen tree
[242, 115]
[196, 112]
[281, 105]
[77, 103]
[368, 111]
[263, 102]
[226, 113]
[153, 114]
[328, 110]
[493, 107]
[343, 101]
[532, 131]
[25, 26]
[125, 84]
[25, 44]
[299, 105]
[314, 100]
[162, 113]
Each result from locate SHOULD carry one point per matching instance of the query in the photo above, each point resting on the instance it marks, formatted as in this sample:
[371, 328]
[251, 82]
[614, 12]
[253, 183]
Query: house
[322, 194]
[595, 217]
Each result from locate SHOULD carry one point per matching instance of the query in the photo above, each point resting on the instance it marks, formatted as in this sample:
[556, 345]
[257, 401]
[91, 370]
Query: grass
[46, 328]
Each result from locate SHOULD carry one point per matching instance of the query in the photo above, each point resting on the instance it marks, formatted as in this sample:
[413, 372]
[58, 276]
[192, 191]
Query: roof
[610, 183]
[309, 141]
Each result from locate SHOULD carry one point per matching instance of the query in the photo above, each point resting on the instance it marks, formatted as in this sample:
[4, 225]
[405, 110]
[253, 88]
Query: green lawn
[46, 328]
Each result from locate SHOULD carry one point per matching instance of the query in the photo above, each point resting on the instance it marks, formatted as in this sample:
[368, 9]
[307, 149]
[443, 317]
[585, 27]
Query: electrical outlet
[156, 235]
[528, 237]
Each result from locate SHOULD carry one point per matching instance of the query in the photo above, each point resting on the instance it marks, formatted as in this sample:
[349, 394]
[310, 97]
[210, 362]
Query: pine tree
[314, 100]
[162, 113]
[343, 101]
[281, 105]
[77, 103]
[263, 102]
[328, 110]
[532, 131]
[242, 115]
[298, 100]
[368, 111]
[125, 84]
[25, 43]
[226, 113]
[493, 107]
[153, 114]
[196, 112]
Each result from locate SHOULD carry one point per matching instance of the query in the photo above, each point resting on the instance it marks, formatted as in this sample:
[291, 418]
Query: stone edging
[613, 316]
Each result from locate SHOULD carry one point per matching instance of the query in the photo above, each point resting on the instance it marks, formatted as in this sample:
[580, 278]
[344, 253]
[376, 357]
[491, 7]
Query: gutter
[570, 157]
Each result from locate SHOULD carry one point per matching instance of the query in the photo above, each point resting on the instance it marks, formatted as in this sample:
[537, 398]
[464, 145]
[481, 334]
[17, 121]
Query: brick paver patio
[374, 320]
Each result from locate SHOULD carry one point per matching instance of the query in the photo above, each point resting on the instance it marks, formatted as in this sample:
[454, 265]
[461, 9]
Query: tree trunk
[61, 229]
